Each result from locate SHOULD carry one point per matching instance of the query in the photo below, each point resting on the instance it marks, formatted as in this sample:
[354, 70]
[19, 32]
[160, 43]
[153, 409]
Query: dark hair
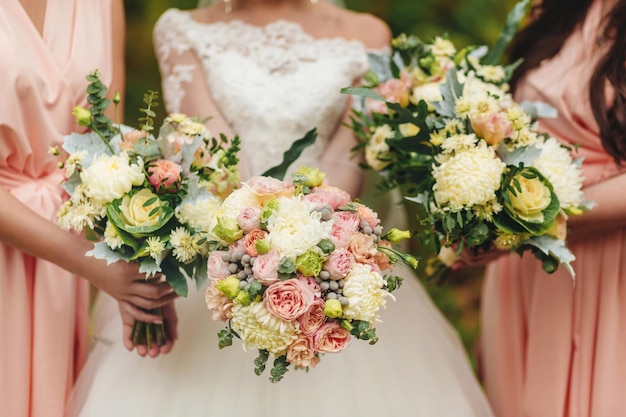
[553, 21]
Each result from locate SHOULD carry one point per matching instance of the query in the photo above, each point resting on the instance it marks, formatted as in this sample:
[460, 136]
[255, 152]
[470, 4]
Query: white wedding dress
[273, 84]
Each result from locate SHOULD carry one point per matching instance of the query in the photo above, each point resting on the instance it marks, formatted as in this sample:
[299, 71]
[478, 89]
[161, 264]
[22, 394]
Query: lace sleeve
[185, 89]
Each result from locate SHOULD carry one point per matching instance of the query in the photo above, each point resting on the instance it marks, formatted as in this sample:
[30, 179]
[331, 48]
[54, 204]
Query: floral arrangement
[143, 197]
[442, 124]
[301, 270]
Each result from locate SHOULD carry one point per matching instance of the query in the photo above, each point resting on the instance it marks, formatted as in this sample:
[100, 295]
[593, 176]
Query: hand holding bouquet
[301, 270]
[441, 123]
[143, 196]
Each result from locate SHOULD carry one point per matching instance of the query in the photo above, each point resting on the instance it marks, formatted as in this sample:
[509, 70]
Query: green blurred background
[465, 21]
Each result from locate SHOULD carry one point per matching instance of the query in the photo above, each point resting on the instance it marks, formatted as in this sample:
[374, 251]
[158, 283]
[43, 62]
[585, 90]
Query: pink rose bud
[164, 175]
[492, 127]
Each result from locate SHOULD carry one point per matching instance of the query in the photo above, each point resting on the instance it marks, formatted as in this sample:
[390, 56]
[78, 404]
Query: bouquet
[301, 270]
[143, 196]
[442, 124]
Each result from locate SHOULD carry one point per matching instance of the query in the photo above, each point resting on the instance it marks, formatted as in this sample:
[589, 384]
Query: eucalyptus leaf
[525, 155]
[90, 142]
[379, 65]
[102, 251]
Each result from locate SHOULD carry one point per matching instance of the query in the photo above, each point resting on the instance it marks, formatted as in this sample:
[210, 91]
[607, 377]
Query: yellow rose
[533, 199]
[135, 212]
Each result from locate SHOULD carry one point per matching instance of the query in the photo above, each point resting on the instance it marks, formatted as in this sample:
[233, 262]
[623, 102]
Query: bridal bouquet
[442, 124]
[301, 270]
[144, 196]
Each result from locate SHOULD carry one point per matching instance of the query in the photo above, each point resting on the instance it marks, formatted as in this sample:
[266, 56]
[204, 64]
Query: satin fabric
[552, 346]
[43, 309]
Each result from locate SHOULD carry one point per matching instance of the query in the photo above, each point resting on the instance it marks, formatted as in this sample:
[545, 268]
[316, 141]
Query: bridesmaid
[48, 46]
[552, 346]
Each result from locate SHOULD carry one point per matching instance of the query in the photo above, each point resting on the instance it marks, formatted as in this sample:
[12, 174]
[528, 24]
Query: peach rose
[312, 284]
[164, 175]
[130, 138]
[381, 259]
[363, 248]
[559, 228]
[265, 268]
[268, 188]
[339, 263]
[331, 337]
[218, 303]
[301, 353]
[369, 215]
[216, 267]
[249, 219]
[250, 240]
[288, 299]
[335, 197]
[313, 318]
[493, 127]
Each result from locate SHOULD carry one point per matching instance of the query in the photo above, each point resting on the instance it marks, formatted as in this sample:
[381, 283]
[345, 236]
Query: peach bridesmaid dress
[43, 309]
[553, 347]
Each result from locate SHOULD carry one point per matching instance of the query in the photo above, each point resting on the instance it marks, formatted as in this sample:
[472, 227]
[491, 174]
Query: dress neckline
[268, 27]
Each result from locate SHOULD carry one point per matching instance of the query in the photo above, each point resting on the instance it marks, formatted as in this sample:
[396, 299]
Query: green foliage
[96, 97]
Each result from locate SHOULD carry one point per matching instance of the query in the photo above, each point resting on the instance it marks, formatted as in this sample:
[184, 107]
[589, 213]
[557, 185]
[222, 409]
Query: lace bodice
[272, 83]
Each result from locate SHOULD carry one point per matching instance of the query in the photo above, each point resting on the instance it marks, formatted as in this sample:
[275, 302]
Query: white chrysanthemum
[73, 160]
[491, 73]
[469, 178]
[442, 47]
[176, 118]
[201, 215]
[487, 210]
[239, 200]
[260, 329]
[155, 247]
[294, 228]
[192, 128]
[521, 138]
[458, 143]
[111, 237]
[462, 107]
[364, 290]
[110, 177]
[556, 164]
[518, 117]
[185, 245]
[77, 216]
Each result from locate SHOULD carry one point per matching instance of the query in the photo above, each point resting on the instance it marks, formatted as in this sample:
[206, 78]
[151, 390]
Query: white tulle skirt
[417, 368]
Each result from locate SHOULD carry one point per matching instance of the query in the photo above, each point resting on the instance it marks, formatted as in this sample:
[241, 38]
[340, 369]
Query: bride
[270, 70]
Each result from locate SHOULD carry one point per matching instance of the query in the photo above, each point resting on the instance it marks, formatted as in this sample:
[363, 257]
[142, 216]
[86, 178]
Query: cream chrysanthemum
[260, 329]
[377, 147]
[556, 164]
[294, 227]
[73, 161]
[469, 178]
[508, 241]
[442, 47]
[77, 215]
[185, 245]
[364, 290]
[491, 73]
[487, 210]
[155, 247]
[201, 215]
[111, 237]
[111, 177]
[458, 143]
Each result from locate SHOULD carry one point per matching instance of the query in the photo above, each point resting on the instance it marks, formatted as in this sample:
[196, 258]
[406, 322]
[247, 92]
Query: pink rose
[381, 259]
[249, 219]
[238, 245]
[348, 220]
[265, 268]
[335, 197]
[369, 215]
[318, 201]
[340, 236]
[178, 139]
[130, 138]
[268, 188]
[313, 318]
[216, 267]
[363, 248]
[331, 337]
[339, 263]
[164, 175]
[301, 353]
[313, 286]
[218, 303]
[492, 127]
[288, 299]
[396, 90]
[375, 106]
